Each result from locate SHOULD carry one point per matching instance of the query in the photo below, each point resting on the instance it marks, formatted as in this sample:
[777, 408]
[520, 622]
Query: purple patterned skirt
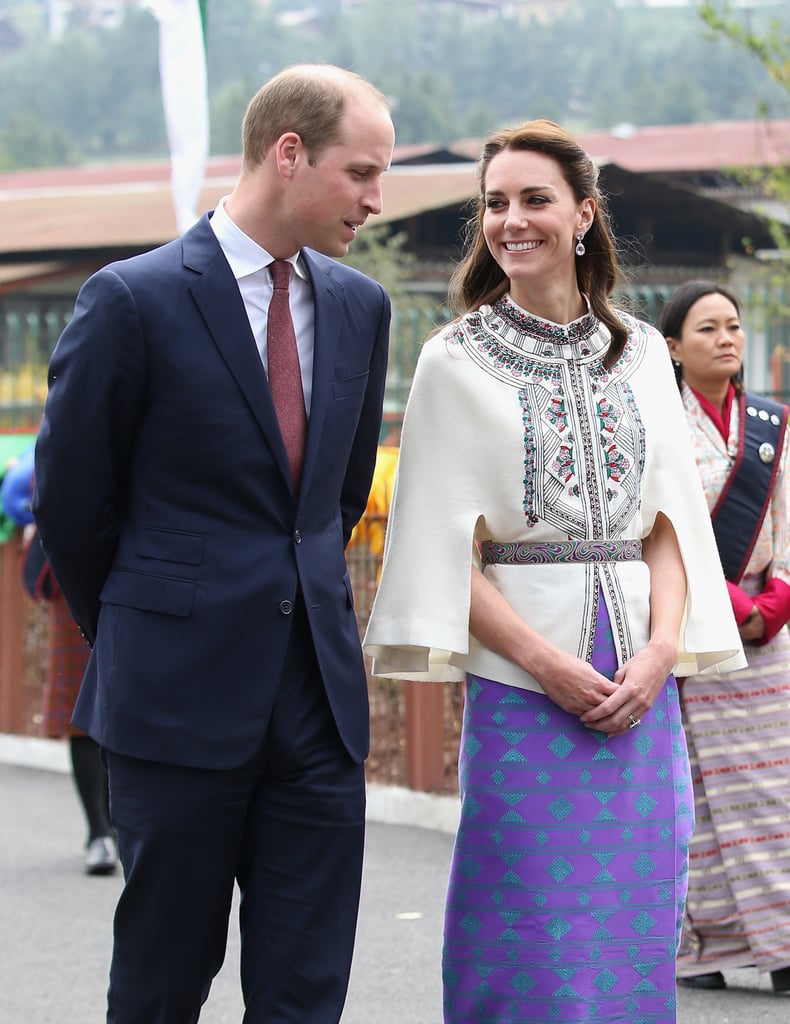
[569, 872]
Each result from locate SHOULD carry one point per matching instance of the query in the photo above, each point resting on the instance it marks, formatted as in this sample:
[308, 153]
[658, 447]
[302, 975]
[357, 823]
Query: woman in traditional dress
[549, 541]
[737, 726]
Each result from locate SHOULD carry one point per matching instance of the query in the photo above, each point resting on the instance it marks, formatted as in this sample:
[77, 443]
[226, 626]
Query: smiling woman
[531, 230]
[566, 565]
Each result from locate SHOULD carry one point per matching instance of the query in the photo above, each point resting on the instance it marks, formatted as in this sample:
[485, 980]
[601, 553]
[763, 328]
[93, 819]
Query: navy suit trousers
[288, 827]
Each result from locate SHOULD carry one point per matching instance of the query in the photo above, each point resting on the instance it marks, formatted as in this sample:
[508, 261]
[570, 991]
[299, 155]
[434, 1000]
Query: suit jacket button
[286, 607]
[297, 536]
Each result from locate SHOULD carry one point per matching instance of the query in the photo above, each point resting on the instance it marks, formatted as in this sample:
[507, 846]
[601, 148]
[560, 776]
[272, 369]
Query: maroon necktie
[285, 375]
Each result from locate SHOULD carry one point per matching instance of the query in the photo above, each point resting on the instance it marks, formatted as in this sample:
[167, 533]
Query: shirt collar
[243, 254]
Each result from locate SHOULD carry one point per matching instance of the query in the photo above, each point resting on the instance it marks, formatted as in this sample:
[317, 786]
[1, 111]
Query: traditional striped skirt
[569, 871]
[738, 732]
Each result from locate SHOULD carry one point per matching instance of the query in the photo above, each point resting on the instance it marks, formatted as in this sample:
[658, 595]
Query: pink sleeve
[741, 603]
[774, 605]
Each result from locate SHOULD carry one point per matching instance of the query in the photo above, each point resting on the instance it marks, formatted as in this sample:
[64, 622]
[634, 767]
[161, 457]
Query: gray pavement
[55, 922]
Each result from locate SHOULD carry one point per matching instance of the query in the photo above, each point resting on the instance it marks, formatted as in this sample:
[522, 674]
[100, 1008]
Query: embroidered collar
[546, 330]
[507, 324]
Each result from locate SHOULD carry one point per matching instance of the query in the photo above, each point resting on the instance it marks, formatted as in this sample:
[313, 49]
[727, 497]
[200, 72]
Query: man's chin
[335, 249]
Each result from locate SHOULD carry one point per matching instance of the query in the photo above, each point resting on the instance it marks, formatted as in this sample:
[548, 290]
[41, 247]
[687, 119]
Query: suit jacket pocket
[149, 593]
[170, 545]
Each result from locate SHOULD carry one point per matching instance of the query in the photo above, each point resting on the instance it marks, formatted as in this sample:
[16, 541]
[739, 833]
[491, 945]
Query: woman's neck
[714, 391]
[561, 305]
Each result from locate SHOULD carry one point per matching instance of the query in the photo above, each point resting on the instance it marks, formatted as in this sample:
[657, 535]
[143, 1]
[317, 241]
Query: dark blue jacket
[164, 502]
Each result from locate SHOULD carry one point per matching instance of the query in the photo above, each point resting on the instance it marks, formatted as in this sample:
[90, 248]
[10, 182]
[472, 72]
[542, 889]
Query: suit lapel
[216, 294]
[327, 296]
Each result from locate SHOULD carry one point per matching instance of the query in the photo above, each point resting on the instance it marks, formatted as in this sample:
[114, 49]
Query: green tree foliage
[94, 94]
[382, 256]
[768, 43]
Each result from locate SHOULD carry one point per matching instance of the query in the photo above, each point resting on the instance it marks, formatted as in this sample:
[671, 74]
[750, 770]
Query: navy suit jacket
[164, 501]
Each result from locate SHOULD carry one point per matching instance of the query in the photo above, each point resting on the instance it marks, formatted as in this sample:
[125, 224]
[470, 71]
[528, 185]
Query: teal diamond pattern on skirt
[523, 982]
[644, 865]
[473, 689]
[643, 922]
[470, 867]
[561, 808]
[605, 981]
[645, 804]
[471, 807]
[560, 868]
[561, 746]
[472, 746]
[470, 924]
[558, 926]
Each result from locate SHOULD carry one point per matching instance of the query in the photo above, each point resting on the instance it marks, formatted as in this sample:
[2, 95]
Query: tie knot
[281, 273]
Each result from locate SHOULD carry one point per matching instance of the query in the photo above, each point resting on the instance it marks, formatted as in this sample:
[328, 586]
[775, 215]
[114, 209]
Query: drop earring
[580, 250]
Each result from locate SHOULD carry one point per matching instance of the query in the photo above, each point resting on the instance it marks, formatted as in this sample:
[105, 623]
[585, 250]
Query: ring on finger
[633, 722]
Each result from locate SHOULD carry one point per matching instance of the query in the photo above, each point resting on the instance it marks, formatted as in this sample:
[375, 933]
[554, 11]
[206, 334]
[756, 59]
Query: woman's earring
[580, 250]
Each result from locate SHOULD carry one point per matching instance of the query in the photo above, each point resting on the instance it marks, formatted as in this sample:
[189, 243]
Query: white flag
[182, 70]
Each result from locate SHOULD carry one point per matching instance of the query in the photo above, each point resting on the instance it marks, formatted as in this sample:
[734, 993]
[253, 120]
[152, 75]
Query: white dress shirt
[249, 263]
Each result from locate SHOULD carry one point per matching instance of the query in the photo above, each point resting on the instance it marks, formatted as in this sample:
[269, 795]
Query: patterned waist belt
[520, 553]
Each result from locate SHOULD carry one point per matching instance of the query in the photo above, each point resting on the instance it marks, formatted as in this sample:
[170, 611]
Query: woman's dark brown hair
[479, 280]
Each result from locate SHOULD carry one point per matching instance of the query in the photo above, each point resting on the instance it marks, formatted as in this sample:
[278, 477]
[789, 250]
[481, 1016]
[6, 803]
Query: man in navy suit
[226, 684]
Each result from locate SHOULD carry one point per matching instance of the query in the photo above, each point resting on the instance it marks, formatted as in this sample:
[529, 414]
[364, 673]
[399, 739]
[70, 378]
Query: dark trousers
[288, 826]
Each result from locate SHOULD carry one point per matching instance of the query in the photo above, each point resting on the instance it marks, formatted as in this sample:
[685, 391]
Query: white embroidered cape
[514, 431]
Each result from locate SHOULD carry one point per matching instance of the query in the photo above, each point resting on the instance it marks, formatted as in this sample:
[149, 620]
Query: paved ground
[55, 922]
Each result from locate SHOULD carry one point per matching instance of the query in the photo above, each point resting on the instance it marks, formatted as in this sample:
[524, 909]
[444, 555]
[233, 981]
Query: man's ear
[286, 152]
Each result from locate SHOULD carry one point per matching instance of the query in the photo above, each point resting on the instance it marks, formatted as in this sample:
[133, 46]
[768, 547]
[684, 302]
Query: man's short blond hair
[309, 99]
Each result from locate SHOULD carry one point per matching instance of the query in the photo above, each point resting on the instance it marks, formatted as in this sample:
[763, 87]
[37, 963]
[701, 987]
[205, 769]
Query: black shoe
[710, 981]
[100, 857]
[780, 980]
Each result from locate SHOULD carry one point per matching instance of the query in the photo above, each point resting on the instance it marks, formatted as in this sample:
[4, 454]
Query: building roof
[684, 148]
[102, 211]
[130, 206]
[664, 149]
